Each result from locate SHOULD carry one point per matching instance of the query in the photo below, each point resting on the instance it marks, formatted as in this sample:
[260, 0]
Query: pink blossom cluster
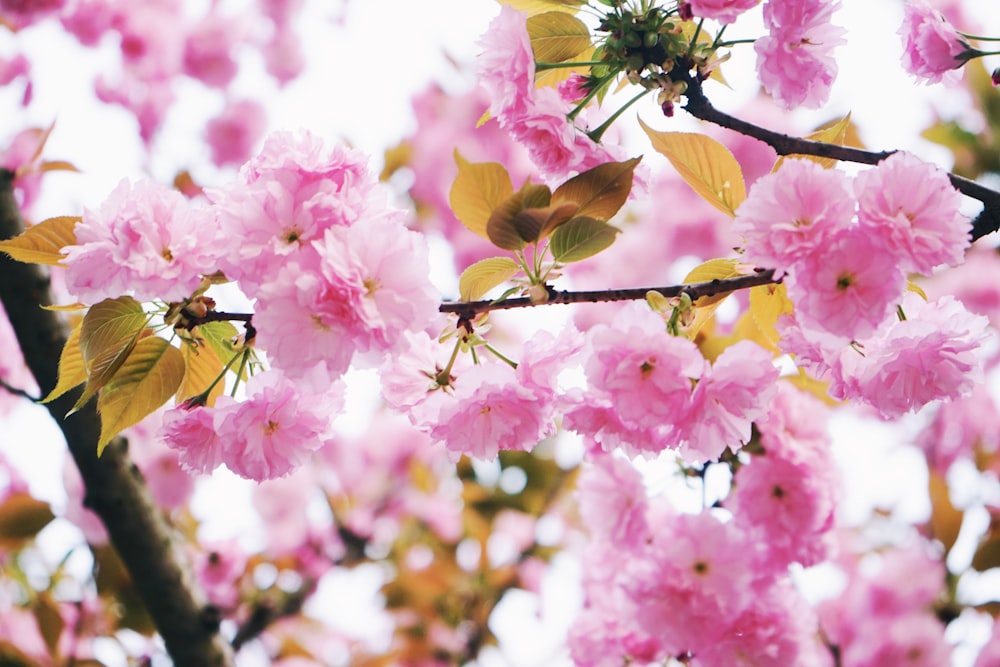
[271, 432]
[795, 60]
[725, 11]
[932, 48]
[660, 584]
[846, 245]
[535, 117]
[649, 391]
[885, 616]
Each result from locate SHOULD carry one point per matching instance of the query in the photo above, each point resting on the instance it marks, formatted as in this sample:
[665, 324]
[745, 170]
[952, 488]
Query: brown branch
[699, 106]
[114, 487]
[469, 309]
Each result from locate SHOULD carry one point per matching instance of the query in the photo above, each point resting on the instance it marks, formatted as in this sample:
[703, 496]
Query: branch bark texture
[115, 490]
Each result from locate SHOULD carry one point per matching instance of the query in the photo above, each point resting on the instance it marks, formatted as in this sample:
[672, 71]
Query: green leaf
[478, 189]
[599, 192]
[581, 238]
[149, 377]
[72, 368]
[705, 164]
[484, 275]
[557, 36]
[219, 337]
[109, 332]
[43, 243]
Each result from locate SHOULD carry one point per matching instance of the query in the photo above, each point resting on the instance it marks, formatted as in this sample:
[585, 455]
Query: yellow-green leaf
[834, 133]
[42, 243]
[581, 238]
[714, 269]
[109, 332]
[148, 379]
[557, 36]
[202, 367]
[219, 337]
[810, 385]
[532, 7]
[599, 192]
[72, 369]
[478, 189]
[484, 275]
[705, 164]
[767, 304]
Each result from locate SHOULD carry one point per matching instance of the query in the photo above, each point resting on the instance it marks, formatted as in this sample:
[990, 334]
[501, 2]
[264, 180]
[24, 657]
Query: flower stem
[596, 134]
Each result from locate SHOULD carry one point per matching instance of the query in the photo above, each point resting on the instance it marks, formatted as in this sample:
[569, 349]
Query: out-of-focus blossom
[232, 134]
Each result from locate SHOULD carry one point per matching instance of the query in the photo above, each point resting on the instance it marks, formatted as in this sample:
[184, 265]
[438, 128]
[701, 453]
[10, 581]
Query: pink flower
[491, 411]
[931, 46]
[232, 134]
[369, 285]
[795, 61]
[930, 355]
[961, 429]
[613, 498]
[506, 68]
[274, 430]
[793, 212]
[209, 47]
[914, 206]
[725, 11]
[218, 571]
[847, 287]
[735, 392]
[192, 434]
[145, 240]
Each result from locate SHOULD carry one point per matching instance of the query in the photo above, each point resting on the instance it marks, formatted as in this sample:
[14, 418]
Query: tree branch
[699, 106]
[469, 309]
[114, 487]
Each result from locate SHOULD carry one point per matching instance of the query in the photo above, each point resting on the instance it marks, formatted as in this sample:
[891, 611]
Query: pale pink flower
[274, 430]
[145, 240]
[847, 287]
[283, 56]
[232, 134]
[506, 67]
[914, 206]
[209, 48]
[793, 212]
[989, 655]
[545, 355]
[960, 429]
[735, 392]
[931, 45]
[613, 500]
[13, 371]
[725, 11]
[795, 60]
[25, 12]
[192, 434]
[930, 355]
[218, 570]
[916, 640]
[370, 285]
[491, 411]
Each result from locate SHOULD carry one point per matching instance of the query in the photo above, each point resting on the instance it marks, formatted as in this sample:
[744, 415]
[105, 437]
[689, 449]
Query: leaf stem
[596, 134]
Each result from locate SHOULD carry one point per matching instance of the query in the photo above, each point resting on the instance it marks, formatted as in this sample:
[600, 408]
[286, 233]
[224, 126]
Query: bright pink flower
[735, 392]
[725, 11]
[506, 67]
[846, 287]
[25, 12]
[931, 45]
[795, 60]
[144, 240]
[930, 355]
[274, 430]
[491, 411]
[232, 134]
[914, 206]
[218, 570]
[793, 212]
